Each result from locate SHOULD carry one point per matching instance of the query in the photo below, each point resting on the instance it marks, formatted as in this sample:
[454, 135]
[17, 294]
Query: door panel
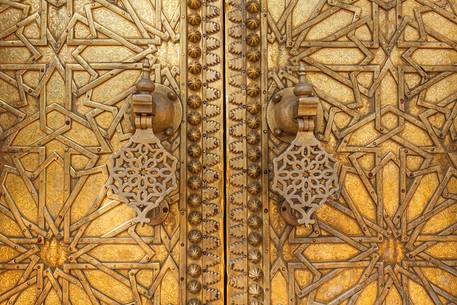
[68, 70]
[359, 93]
[386, 87]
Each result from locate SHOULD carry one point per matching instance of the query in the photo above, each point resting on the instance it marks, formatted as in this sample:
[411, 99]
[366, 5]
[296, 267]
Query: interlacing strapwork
[384, 74]
[68, 70]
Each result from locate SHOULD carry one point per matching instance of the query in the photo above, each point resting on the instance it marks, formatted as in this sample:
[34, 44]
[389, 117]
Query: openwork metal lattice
[305, 175]
[142, 173]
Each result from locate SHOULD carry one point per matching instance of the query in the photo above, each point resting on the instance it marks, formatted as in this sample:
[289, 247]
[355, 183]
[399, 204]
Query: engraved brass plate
[384, 73]
[68, 70]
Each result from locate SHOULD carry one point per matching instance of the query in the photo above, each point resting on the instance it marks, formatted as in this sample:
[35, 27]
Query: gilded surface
[385, 74]
[67, 72]
[305, 174]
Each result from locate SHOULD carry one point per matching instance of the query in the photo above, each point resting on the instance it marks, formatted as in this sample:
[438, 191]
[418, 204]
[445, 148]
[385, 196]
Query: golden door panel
[341, 143]
[105, 199]
[385, 76]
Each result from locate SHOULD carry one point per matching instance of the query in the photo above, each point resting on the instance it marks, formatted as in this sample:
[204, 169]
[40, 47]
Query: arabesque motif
[142, 173]
[306, 176]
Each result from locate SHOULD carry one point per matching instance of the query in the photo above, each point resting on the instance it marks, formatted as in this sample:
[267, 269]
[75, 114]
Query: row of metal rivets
[254, 169]
[194, 151]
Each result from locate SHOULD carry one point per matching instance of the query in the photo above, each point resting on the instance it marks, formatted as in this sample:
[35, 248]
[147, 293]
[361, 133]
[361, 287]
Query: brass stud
[254, 204]
[254, 108]
[194, 135]
[168, 132]
[277, 98]
[194, 302]
[253, 171]
[195, 218]
[194, 101]
[194, 4]
[255, 290]
[253, 123]
[253, 90]
[194, 166]
[195, 67]
[254, 221]
[194, 200]
[254, 154]
[171, 96]
[194, 286]
[253, 72]
[194, 118]
[253, 55]
[194, 251]
[254, 255]
[194, 183]
[252, 23]
[194, 83]
[194, 270]
[254, 188]
[195, 236]
[194, 150]
[254, 238]
[253, 7]
[253, 39]
[194, 19]
[194, 51]
[255, 273]
[194, 36]
[253, 138]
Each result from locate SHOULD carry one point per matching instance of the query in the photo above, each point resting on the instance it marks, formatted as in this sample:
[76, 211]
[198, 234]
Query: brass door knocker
[305, 175]
[143, 173]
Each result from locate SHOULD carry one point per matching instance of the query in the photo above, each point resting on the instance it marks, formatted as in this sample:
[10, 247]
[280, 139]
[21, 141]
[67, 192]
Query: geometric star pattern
[67, 70]
[384, 72]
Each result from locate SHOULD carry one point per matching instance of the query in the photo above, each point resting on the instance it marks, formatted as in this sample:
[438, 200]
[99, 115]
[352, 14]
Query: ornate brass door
[72, 229]
[385, 75]
[228, 152]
